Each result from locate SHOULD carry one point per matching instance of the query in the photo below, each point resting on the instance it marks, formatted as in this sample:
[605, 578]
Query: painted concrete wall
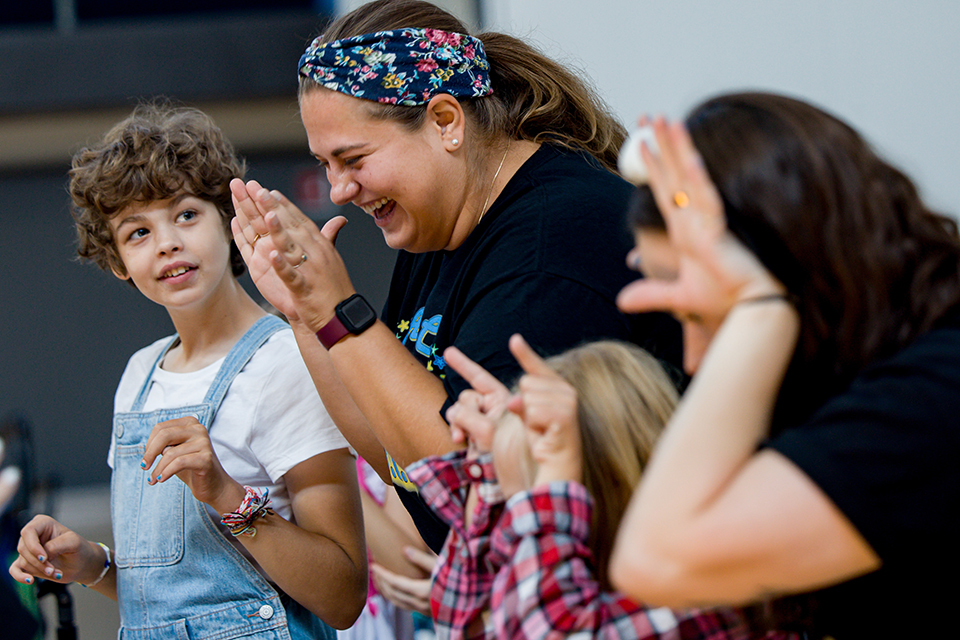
[890, 68]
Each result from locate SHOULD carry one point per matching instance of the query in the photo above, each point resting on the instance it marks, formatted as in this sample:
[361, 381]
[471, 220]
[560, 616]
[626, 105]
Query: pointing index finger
[478, 377]
[528, 359]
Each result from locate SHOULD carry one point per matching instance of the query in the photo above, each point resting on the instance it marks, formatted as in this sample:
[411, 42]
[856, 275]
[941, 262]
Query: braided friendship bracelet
[255, 505]
[106, 567]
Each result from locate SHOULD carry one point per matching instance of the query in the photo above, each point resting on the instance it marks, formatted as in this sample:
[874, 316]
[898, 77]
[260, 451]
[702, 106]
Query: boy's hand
[476, 411]
[51, 551]
[548, 406]
[184, 450]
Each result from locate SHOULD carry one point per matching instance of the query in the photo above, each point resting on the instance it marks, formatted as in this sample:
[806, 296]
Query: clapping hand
[294, 264]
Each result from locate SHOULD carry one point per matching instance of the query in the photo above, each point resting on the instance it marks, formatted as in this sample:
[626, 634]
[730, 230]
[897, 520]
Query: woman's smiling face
[406, 180]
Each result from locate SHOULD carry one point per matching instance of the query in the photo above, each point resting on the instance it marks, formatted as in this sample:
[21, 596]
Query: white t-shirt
[271, 418]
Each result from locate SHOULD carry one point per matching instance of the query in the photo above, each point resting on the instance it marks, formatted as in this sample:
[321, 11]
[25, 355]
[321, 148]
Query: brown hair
[870, 265]
[624, 400]
[534, 98]
[156, 153]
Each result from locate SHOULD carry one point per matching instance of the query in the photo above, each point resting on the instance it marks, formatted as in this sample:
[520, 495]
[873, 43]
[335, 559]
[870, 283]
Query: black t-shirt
[887, 452]
[546, 261]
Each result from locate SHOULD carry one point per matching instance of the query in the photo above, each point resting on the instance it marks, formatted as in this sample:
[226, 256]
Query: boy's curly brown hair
[159, 151]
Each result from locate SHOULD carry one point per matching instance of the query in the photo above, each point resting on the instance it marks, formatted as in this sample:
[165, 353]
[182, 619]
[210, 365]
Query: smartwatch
[353, 315]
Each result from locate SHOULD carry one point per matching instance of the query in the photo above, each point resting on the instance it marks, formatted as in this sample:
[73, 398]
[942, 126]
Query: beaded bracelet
[106, 567]
[255, 505]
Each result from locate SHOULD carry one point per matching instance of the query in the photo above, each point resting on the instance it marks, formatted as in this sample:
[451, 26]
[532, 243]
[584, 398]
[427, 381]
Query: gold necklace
[493, 183]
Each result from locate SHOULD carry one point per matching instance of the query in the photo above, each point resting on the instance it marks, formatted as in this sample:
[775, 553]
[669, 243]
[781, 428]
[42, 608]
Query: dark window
[105, 9]
[27, 13]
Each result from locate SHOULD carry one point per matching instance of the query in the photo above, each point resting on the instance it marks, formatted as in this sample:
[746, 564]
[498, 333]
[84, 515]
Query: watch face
[357, 314]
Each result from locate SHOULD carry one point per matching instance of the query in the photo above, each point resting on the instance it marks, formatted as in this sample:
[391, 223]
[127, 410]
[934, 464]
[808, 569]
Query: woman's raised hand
[715, 269]
[182, 448]
[293, 263]
[51, 551]
[474, 415]
[547, 404]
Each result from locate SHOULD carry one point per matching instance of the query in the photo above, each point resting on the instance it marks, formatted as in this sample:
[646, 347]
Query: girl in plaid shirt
[527, 558]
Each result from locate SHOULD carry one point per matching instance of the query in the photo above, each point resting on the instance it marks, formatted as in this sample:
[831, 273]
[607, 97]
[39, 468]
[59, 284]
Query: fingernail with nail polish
[58, 575]
[42, 558]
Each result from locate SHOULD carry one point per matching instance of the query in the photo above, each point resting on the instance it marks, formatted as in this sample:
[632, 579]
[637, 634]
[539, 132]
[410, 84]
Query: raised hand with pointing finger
[548, 406]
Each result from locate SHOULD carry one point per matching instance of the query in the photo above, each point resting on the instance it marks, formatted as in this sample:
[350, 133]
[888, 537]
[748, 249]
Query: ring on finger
[681, 199]
[303, 258]
[257, 237]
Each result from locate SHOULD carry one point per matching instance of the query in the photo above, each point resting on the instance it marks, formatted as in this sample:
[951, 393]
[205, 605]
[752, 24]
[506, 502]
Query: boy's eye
[138, 233]
[190, 214]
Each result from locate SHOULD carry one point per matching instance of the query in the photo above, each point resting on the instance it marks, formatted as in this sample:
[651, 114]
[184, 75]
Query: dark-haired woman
[491, 168]
[815, 451]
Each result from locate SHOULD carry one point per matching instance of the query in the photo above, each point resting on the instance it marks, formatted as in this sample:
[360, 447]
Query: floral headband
[403, 66]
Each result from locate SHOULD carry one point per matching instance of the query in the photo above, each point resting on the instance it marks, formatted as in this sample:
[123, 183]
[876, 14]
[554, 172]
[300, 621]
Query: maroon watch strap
[332, 332]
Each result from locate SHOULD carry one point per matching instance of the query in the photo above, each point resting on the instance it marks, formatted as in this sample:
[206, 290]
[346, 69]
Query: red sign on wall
[312, 193]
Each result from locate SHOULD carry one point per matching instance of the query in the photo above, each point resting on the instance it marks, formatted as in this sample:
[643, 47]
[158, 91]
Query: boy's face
[176, 251]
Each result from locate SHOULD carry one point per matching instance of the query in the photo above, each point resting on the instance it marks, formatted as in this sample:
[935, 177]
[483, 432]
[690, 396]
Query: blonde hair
[624, 399]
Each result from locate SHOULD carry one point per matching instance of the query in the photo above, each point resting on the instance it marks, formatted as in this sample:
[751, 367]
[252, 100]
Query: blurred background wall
[886, 66]
[69, 69]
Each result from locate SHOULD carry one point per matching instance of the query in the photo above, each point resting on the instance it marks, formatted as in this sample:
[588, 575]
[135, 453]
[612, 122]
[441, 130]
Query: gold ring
[681, 199]
[303, 259]
[253, 243]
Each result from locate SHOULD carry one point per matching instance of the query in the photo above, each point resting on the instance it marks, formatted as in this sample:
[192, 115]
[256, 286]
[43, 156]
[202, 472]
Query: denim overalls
[178, 577]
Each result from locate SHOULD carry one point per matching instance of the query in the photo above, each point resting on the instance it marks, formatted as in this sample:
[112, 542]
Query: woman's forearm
[400, 399]
[725, 413]
[379, 396]
[338, 401]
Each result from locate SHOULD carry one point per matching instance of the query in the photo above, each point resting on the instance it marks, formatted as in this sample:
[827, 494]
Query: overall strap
[145, 389]
[239, 355]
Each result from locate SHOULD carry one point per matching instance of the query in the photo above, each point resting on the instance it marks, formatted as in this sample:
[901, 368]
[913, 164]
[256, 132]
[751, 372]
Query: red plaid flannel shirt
[545, 587]
[531, 575]
[462, 579]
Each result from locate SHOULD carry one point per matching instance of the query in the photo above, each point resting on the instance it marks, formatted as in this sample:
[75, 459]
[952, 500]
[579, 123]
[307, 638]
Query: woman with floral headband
[491, 168]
